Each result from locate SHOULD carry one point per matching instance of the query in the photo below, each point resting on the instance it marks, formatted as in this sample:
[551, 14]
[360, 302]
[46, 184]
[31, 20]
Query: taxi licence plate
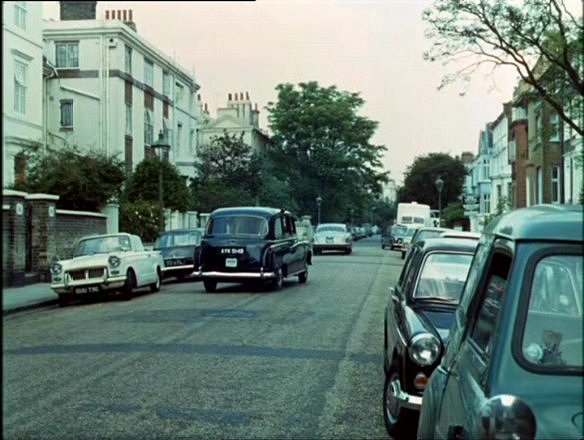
[231, 262]
[88, 289]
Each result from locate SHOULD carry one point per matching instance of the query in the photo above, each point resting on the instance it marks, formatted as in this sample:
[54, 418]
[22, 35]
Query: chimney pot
[241, 95]
[247, 96]
[107, 15]
[130, 15]
[119, 14]
[229, 97]
[125, 15]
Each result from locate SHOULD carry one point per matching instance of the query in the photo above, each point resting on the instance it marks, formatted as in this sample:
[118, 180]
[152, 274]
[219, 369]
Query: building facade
[22, 84]
[501, 184]
[114, 92]
[237, 117]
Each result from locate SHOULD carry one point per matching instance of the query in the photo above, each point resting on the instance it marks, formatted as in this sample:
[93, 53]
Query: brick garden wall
[72, 225]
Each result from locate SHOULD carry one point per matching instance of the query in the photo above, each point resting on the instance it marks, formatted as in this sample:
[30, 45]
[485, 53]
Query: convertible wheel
[398, 420]
[155, 286]
[277, 282]
[64, 300]
[303, 276]
[130, 285]
[210, 285]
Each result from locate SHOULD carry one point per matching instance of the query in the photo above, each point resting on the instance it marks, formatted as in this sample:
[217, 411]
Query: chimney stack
[123, 15]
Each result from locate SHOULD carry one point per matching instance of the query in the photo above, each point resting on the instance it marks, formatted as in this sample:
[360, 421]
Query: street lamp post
[161, 145]
[318, 202]
[439, 185]
[352, 213]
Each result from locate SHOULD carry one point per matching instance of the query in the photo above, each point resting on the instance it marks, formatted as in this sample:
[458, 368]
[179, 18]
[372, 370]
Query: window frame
[555, 185]
[149, 72]
[148, 127]
[67, 44]
[20, 15]
[20, 86]
[63, 104]
[128, 59]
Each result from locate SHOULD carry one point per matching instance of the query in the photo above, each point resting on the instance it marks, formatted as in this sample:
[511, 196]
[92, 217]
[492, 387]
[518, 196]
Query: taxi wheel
[278, 281]
[210, 285]
[303, 276]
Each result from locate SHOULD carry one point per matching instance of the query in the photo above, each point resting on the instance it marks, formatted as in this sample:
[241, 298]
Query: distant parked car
[332, 237]
[407, 238]
[422, 234]
[418, 316]
[386, 237]
[397, 236]
[180, 249]
[252, 244]
[106, 263]
[514, 365]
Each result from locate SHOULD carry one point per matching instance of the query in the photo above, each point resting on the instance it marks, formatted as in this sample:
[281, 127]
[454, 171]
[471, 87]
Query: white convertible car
[106, 263]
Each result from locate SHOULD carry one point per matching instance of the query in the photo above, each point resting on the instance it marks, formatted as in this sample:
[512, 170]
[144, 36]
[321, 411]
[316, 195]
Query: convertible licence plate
[231, 262]
[88, 289]
[329, 239]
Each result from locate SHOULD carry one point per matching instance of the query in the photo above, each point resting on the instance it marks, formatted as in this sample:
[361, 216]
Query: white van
[413, 214]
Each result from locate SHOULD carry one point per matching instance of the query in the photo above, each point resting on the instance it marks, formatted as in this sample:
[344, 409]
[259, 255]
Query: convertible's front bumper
[110, 283]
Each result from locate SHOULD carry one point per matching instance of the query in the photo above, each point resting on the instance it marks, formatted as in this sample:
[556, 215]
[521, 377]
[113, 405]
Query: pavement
[32, 296]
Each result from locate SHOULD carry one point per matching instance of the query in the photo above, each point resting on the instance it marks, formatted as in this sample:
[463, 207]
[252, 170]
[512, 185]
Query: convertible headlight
[56, 268]
[424, 349]
[113, 261]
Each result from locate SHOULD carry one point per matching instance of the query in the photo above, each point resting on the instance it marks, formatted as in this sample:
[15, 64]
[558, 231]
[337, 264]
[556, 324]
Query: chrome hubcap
[391, 401]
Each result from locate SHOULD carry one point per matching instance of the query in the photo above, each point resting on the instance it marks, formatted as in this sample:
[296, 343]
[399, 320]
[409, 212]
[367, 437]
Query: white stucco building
[238, 116]
[22, 82]
[112, 91]
[501, 184]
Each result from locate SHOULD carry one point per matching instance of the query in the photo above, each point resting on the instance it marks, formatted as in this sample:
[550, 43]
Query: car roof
[254, 210]
[540, 222]
[448, 244]
[333, 224]
[461, 234]
[430, 228]
[170, 231]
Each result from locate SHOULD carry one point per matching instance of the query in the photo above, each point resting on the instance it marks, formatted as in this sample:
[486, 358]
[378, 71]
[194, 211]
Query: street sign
[471, 207]
[471, 200]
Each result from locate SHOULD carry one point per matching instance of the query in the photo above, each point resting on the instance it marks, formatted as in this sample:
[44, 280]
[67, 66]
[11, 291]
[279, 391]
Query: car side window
[289, 226]
[278, 227]
[489, 309]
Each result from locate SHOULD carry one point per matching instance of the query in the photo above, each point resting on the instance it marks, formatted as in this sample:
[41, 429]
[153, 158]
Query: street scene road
[301, 362]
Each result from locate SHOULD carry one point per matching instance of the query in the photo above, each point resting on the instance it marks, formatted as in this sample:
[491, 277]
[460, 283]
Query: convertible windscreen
[102, 245]
[238, 225]
[443, 276]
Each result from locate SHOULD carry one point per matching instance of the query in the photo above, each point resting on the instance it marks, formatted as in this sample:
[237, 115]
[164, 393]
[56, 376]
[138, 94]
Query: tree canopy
[419, 180]
[541, 39]
[143, 184]
[83, 180]
[322, 148]
[228, 174]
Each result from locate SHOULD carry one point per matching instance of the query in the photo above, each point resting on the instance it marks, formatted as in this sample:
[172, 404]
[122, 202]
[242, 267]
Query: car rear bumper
[236, 275]
[172, 270]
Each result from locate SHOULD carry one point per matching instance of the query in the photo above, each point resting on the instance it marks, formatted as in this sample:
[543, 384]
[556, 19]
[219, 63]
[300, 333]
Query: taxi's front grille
[85, 274]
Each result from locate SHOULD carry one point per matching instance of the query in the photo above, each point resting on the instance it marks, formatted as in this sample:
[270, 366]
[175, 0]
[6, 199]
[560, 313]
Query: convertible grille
[85, 274]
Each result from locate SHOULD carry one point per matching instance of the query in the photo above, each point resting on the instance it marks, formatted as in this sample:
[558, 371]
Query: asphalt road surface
[302, 362]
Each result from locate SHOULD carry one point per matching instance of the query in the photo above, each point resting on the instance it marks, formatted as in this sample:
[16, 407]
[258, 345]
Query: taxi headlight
[424, 349]
[114, 261]
[56, 269]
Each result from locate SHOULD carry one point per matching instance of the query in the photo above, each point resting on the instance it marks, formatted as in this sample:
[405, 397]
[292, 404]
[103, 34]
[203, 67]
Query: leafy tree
[322, 147]
[419, 180]
[275, 192]
[143, 185]
[229, 174]
[541, 39]
[83, 180]
[140, 217]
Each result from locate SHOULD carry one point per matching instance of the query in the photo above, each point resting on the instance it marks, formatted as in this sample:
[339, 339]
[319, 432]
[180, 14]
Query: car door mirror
[394, 294]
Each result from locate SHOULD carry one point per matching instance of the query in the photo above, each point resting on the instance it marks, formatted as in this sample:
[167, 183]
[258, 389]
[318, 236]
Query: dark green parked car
[513, 367]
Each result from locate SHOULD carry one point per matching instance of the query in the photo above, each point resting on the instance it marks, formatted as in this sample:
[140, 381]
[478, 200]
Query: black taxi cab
[252, 244]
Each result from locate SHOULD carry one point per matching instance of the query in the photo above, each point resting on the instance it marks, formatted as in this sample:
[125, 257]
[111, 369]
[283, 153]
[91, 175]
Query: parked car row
[483, 337]
[242, 245]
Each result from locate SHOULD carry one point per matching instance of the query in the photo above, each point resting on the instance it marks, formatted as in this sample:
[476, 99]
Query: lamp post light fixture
[318, 203]
[439, 185]
[162, 146]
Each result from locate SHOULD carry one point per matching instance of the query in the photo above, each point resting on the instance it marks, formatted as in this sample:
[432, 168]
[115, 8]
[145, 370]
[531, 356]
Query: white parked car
[106, 263]
[332, 237]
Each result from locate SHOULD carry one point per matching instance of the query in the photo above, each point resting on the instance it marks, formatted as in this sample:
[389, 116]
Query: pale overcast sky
[373, 47]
